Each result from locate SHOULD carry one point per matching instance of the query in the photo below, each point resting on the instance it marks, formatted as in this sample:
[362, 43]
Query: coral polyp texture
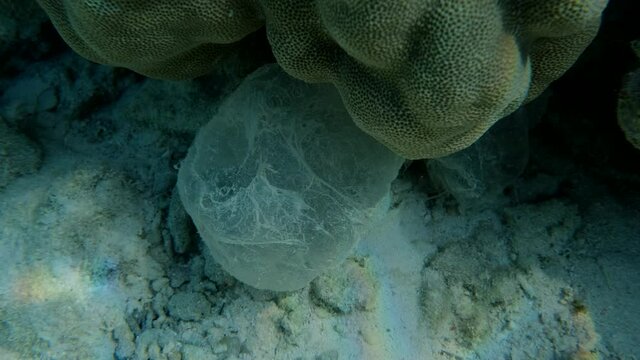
[629, 104]
[424, 77]
[161, 39]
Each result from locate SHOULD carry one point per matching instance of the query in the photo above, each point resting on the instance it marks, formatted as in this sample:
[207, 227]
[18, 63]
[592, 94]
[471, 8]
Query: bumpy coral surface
[629, 104]
[162, 39]
[424, 77]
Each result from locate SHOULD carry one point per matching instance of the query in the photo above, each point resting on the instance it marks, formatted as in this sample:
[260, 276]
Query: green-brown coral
[629, 104]
[425, 77]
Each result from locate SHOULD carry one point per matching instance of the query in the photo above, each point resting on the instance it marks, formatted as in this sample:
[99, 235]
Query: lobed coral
[629, 104]
[425, 78]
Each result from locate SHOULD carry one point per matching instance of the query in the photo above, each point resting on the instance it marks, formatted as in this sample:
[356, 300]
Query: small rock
[189, 306]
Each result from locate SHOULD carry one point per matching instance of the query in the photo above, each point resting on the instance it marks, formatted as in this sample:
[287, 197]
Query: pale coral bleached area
[98, 260]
